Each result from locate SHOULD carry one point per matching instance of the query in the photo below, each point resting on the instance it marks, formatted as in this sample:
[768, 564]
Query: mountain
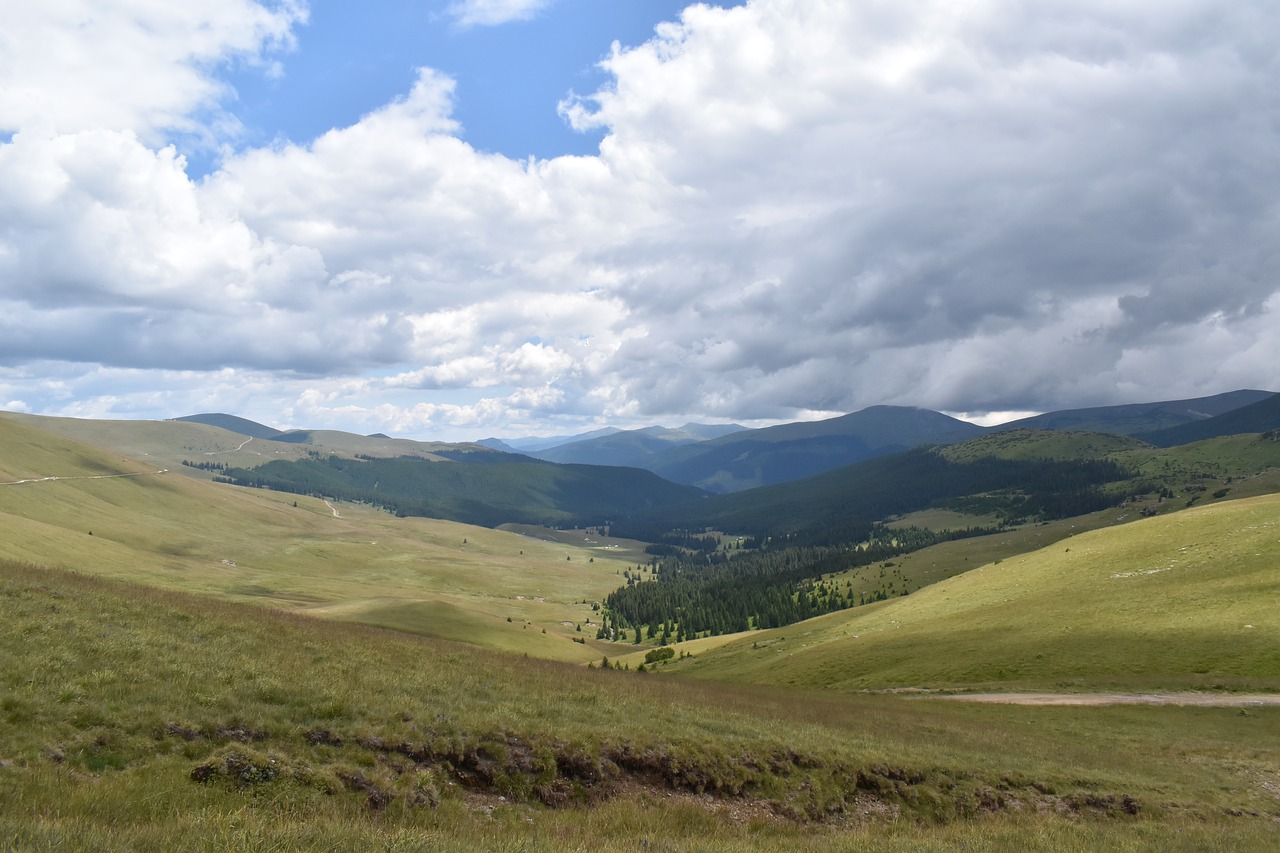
[998, 478]
[535, 443]
[497, 444]
[840, 505]
[1134, 418]
[1261, 416]
[232, 423]
[633, 448]
[503, 489]
[779, 454]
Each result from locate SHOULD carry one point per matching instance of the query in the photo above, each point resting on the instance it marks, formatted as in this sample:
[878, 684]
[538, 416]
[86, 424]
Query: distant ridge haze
[724, 458]
[1135, 418]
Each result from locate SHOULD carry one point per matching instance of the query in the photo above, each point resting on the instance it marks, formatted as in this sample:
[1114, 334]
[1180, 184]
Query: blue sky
[352, 58]
[380, 218]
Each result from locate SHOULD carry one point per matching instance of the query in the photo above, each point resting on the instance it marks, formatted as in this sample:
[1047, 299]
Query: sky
[466, 218]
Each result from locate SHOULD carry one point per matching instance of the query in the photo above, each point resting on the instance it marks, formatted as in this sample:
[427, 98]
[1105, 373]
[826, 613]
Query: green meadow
[140, 719]
[1174, 602]
[494, 588]
[169, 443]
[190, 665]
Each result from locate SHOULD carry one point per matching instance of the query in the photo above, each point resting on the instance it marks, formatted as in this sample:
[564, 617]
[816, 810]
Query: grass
[115, 699]
[1029, 444]
[156, 665]
[1182, 601]
[168, 443]
[432, 577]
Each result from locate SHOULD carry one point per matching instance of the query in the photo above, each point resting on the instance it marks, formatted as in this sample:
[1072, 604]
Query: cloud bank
[797, 208]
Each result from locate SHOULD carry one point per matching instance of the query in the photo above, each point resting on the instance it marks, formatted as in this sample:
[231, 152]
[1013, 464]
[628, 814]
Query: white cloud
[797, 207]
[136, 65]
[488, 13]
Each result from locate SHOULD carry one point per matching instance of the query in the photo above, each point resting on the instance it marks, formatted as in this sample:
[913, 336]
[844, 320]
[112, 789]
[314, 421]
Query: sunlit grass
[111, 695]
[1175, 602]
[288, 551]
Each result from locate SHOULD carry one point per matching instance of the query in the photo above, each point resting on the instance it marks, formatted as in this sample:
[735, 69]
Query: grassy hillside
[140, 720]
[170, 443]
[1134, 418]
[503, 489]
[1029, 444]
[1183, 601]
[431, 577]
[1001, 470]
[236, 424]
[826, 543]
[840, 505]
[1262, 416]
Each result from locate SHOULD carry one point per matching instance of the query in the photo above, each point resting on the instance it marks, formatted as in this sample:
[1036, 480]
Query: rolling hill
[1177, 602]
[139, 716]
[632, 448]
[233, 423]
[172, 443]
[746, 459]
[1135, 418]
[751, 458]
[137, 719]
[535, 443]
[1013, 473]
[127, 519]
[1261, 416]
[497, 490]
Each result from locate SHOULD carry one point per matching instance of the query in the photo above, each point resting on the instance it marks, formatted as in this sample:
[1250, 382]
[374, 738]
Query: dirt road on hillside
[1204, 700]
[86, 477]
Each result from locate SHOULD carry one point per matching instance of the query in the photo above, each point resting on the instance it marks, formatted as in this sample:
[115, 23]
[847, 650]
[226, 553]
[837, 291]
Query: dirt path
[93, 477]
[240, 447]
[1204, 700]
[332, 507]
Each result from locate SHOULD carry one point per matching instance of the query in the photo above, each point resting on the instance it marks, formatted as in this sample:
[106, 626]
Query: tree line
[694, 595]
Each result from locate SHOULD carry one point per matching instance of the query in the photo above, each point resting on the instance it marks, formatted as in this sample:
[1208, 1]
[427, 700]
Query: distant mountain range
[633, 448]
[779, 454]
[1260, 416]
[816, 476]
[742, 459]
[532, 445]
[1138, 418]
[727, 458]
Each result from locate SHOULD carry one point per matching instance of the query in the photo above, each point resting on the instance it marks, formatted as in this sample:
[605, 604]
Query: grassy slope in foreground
[1183, 601]
[432, 577]
[142, 719]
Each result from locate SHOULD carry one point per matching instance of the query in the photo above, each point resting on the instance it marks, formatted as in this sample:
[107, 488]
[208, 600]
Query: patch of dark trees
[699, 595]
[837, 508]
[831, 526]
[205, 466]
[511, 489]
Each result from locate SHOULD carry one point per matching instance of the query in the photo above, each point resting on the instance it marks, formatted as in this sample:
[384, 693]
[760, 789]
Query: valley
[322, 667]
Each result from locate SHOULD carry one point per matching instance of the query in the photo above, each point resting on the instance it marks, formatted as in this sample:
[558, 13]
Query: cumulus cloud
[797, 208]
[488, 13]
[135, 65]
